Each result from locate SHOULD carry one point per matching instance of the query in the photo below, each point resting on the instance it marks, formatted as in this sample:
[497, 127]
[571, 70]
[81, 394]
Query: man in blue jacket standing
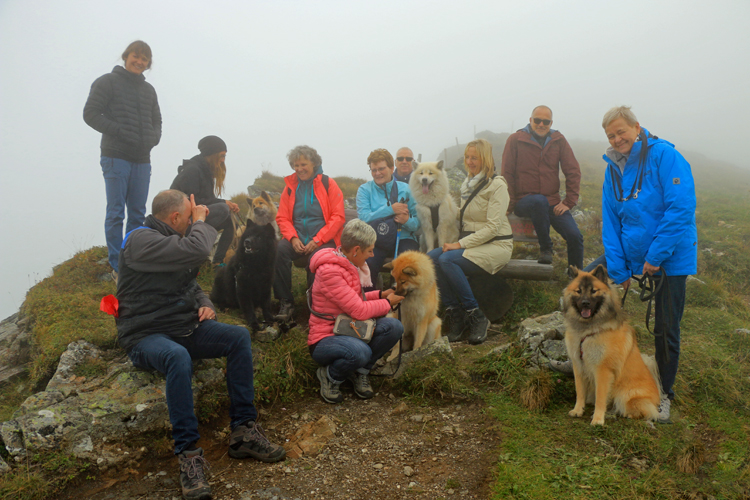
[648, 212]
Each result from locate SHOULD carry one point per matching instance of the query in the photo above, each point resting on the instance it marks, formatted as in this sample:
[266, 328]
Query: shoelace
[258, 434]
[192, 469]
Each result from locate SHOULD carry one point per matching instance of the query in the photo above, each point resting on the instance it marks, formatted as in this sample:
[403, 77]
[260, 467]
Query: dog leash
[400, 348]
[650, 286]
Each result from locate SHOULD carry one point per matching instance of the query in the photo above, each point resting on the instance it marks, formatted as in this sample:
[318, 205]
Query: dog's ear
[409, 271]
[600, 273]
[250, 203]
[265, 196]
[440, 165]
[572, 272]
[388, 266]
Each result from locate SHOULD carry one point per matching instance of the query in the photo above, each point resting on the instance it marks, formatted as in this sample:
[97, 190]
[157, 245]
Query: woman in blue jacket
[648, 210]
[387, 205]
[123, 107]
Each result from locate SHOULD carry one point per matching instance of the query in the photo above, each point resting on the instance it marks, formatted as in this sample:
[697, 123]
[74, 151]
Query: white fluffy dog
[436, 208]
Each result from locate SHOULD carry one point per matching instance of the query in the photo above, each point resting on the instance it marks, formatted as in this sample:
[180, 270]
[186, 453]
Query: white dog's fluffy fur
[430, 187]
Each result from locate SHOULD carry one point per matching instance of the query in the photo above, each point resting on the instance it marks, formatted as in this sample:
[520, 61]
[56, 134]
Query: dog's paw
[597, 420]
[576, 412]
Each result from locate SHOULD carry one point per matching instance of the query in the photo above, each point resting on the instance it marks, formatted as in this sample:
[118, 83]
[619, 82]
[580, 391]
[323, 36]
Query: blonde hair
[218, 172]
[484, 149]
[619, 112]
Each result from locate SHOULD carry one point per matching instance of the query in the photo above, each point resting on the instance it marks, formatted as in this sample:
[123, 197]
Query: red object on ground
[110, 305]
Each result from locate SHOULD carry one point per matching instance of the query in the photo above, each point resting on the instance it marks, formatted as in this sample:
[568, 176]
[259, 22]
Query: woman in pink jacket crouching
[340, 275]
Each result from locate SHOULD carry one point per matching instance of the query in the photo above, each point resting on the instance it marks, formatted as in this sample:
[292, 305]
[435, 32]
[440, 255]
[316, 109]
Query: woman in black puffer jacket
[124, 108]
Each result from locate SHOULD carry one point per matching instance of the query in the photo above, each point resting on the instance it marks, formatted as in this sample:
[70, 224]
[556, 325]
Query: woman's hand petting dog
[392, 297]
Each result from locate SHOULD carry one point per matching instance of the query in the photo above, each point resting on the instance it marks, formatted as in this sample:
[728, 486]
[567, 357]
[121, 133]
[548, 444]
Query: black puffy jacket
[123, 107]
[194, 177]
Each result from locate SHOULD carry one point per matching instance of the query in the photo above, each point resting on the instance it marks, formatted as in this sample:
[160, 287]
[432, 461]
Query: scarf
[469, 184]
[365, 279]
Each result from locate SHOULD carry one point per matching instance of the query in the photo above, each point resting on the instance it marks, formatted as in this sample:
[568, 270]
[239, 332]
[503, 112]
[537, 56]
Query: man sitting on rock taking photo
[165, 321]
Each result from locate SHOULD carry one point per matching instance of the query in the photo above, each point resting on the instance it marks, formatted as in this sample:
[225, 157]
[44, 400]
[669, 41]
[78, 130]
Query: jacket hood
[329, 256]
[120, 71]
[197, 161]
[161, 226]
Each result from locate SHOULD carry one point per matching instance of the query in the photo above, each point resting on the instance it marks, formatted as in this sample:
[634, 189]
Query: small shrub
[535, 395]
[691, 458]
[435, 376]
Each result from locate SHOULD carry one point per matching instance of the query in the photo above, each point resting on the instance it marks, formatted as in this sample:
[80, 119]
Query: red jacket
[529, 169]
[331, 201]
[337, 290]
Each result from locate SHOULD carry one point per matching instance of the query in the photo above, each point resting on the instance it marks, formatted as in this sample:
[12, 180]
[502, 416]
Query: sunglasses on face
[404, 158]
[540, 120]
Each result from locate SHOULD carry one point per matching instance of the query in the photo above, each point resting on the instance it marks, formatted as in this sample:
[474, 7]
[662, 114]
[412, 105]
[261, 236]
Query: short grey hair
[543, 107]
[358, 233]
[619, 112]
[168, 202]
[306, 151]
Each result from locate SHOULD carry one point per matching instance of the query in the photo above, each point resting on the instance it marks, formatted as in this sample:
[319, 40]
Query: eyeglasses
[378, 170]
[539, 120]
[404, 158]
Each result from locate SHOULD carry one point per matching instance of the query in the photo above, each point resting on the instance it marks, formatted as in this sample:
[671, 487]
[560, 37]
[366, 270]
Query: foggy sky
[345, 78]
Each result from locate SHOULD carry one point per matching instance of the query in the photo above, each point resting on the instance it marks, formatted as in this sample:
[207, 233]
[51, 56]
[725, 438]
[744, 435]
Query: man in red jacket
[532, 160]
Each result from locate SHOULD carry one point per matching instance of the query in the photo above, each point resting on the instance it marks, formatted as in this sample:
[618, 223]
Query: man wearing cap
[203, 177]
[404, 157]
[532, 160]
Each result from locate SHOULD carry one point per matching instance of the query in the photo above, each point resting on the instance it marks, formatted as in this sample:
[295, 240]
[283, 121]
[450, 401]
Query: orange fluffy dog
[607, 364]
[414, 274]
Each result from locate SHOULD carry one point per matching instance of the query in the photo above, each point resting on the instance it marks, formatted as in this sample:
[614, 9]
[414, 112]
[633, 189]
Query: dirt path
[384, 448]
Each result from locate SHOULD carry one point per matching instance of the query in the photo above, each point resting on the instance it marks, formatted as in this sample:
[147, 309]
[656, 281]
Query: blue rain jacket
[658, 226]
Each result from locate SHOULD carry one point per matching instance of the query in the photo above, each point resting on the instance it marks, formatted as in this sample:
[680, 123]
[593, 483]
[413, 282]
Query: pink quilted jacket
[337, 290]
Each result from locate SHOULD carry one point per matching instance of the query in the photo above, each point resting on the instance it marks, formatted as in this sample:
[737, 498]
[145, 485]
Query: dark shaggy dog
[246, 281]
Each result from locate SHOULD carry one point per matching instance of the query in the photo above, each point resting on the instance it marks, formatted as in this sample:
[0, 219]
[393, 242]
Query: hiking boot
[664, 407]
[564, 367]
[248, 440]
[286, 311]
[545, 257]
[329, 389]
[459, 325]
[478, 326]
[192, 478]
[362, 387]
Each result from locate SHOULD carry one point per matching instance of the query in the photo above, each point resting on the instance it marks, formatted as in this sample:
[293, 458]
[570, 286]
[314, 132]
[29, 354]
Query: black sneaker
[362, 387]
[248, 440]
[478, 326]
[330, 390]
[286, 311]
[459, 325]
[545, 257]
[192, 478]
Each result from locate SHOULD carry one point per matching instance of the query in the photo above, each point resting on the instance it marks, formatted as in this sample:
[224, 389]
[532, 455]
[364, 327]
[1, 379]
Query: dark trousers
[173, 356]
[663, 324]
[536, 207]
[220, 218]
[375, 263]
[285, 255]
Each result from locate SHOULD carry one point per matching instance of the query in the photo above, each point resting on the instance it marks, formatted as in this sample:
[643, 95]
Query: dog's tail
[654, 369]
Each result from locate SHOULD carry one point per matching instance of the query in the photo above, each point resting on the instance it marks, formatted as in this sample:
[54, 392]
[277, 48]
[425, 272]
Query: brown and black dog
[607, 364]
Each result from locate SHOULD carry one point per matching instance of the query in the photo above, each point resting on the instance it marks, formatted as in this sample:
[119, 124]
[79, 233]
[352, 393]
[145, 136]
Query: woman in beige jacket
[484, 247]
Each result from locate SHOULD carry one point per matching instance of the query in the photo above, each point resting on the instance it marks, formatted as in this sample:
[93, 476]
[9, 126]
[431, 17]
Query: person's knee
[358, 354]
[177, 360]
[392, 327]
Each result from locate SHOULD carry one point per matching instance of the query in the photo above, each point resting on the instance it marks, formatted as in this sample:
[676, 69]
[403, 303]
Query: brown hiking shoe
[249, 441]
[192, 477]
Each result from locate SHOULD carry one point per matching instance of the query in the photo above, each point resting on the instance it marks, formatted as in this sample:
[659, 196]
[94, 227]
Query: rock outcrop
[94, 406]
[543, 338]
[15, 352]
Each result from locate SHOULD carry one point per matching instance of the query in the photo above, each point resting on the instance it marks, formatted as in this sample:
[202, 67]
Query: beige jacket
[485, 215]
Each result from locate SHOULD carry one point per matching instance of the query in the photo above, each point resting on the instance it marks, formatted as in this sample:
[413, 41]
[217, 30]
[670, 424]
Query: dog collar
[580, 346]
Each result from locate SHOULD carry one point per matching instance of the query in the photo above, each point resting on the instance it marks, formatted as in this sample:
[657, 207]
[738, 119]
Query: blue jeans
[662, 323]
[543, 215]
[173, 356]
[599, 260]
[126, 183]
[344, 355]
[452, 271]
